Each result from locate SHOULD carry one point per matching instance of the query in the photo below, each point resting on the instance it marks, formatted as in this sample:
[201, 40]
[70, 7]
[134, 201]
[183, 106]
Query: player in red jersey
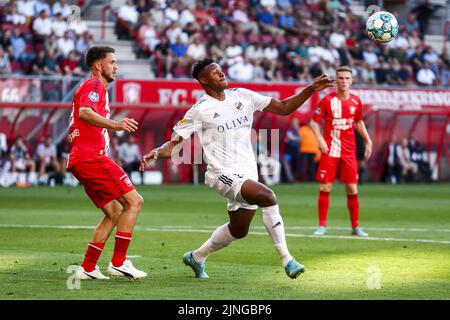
[342, 112]
[104, 181]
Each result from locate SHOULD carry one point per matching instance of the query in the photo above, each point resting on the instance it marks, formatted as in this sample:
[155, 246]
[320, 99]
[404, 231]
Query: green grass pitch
[43, 231]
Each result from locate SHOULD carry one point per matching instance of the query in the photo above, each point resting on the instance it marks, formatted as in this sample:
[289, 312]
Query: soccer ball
[382, 27]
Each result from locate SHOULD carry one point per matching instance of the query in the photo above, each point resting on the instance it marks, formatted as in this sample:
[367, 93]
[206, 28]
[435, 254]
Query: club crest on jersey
[318, 111]
[238, 105]
[352, 110]
[93, 96]
[181, 122]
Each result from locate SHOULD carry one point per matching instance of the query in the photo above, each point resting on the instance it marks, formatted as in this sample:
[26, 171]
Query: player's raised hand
[127, 124]
[323, 146]
[322, 82]
[149, 157]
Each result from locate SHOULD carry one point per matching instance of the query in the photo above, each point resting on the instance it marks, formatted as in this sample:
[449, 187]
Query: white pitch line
[367, 228]
[184, 229]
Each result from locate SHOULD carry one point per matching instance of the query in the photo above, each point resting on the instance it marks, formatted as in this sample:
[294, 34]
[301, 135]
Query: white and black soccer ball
[382, 27]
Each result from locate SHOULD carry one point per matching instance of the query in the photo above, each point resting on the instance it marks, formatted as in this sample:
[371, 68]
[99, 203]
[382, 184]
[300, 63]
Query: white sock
[275, 227]
[220, 238]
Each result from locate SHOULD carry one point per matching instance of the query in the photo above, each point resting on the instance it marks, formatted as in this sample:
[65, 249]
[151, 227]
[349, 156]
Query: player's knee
[239, 232]
[267, 199]
[138, 202]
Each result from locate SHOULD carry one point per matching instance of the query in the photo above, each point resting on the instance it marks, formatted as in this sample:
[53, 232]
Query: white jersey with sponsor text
[224, 129]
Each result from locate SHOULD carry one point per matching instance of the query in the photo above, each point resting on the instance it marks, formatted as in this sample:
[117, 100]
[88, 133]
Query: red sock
[123, 240]
[324, 202]
[92, 254]
[353, 208]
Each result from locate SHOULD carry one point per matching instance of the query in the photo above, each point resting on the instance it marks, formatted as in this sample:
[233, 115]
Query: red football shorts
[329, 167]
[103, 180]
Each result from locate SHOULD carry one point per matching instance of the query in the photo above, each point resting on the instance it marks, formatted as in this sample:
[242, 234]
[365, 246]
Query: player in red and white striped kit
[104, 181]
[342, 113]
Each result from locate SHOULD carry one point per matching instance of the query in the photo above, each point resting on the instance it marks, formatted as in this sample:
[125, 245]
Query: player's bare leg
[353, 207]
[89, 268]
[323, 203]
[256, 193]
[119, 265]
[236, 229]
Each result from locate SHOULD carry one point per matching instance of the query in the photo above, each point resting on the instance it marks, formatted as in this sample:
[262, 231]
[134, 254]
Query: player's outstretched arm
[289, 105]
[93, 118]
[164, 151]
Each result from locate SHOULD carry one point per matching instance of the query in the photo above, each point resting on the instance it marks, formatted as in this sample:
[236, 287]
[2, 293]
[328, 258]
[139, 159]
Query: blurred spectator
[309, 153]
[405, 75]
[42, 27]
[291, 153]
[59, 25]
[71, 65]
[39, 63]
[46, 158]
[409, 168]
[66, 44]
[240, 16]
[417, 156]
[411, 23]
[84, 42]
[5, 66]
[15, 17]
[423, 12]
[61, 7]
[148, 34]
[426, 76]
[393, 168]
[368, 75]
[26, 8]
[128, 18]
[77, 26]
[130, 155]
[196, 49]
[241, 71]
[40, 6]
[20, 159]
[113, 151]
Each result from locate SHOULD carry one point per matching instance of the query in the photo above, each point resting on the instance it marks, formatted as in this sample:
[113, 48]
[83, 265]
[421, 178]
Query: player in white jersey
[223, 119]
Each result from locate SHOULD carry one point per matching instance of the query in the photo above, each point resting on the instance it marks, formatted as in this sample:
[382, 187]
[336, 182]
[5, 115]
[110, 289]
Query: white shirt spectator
[186, 16]
[61, 6]
[78, 26]
[59, 26]
[171, 14]
[15, 18]
[254, 52]
[43, 27]
[129, 152]
[26, 7]
[315, 54]
[128, 13]
[42, 5]
[331, 55]
[271, 53]
[370, 57]
[234, 53]
[240, 16]
[241, 71]
[337, 39]
[268, 3]
[426, 76]
[46, 152]
[65, 45]
[196, 51]
[400, 42]
[174, 32]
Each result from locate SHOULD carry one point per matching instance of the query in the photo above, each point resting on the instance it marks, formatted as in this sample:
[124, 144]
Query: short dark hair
[199, 66]
[97, 53]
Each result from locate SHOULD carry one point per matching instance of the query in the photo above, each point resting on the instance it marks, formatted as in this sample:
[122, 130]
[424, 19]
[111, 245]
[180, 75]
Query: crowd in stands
[280, 40]
[41, 39]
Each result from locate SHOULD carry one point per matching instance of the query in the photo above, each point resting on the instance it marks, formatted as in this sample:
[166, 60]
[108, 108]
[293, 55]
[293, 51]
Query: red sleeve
[358, 113]
[92, 94]
[320, 111]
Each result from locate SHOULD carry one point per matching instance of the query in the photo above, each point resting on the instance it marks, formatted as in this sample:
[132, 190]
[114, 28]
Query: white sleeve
[189, 124]
[258, 101]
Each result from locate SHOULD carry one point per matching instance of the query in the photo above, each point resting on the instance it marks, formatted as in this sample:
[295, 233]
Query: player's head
[209, 74]
[344, 78]
[102, 61]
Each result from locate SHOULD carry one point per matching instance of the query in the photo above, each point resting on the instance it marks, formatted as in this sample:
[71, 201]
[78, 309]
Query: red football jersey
[340, 116]
[88, 142]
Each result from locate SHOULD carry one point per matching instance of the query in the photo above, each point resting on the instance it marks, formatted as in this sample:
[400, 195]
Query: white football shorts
[229, 186]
